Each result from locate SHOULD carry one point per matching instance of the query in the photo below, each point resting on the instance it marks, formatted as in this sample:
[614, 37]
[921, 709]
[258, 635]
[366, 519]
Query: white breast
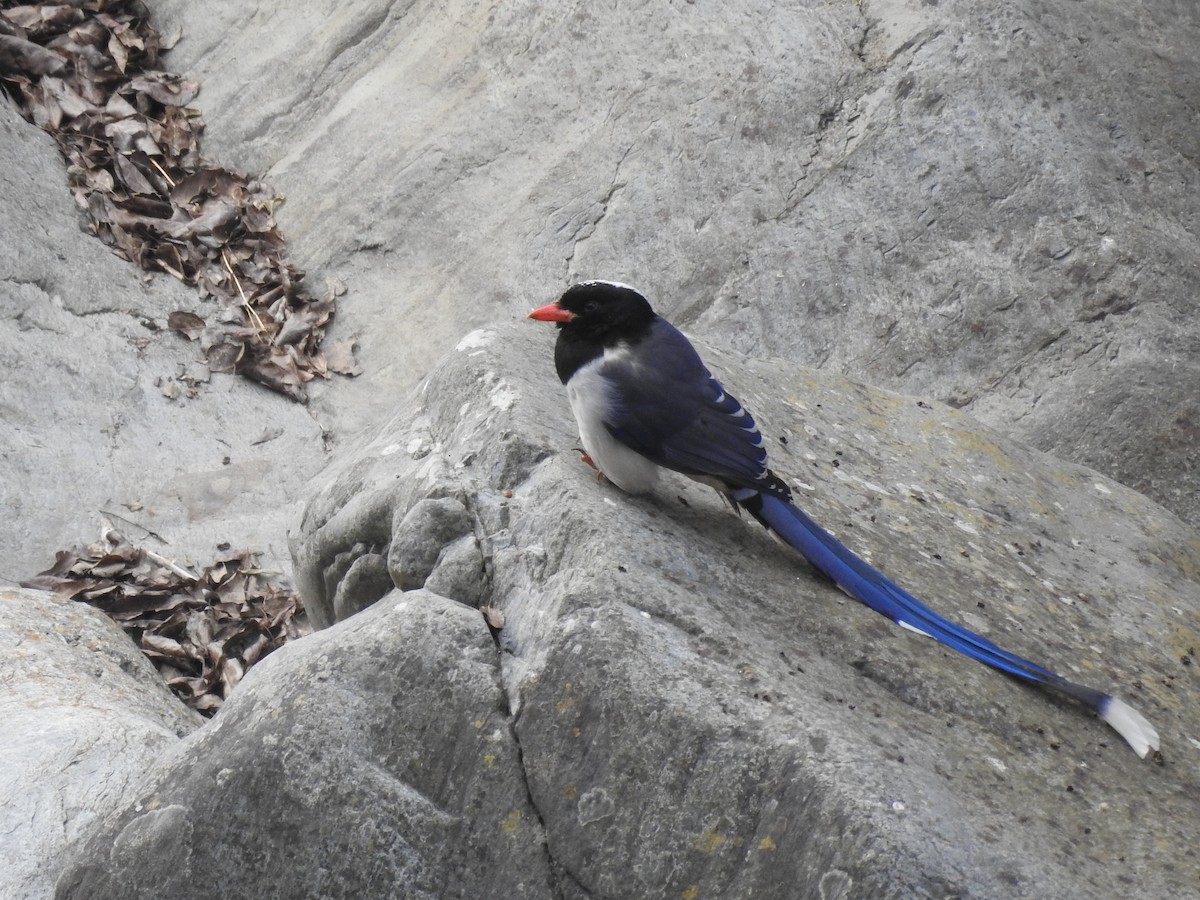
[591, 396]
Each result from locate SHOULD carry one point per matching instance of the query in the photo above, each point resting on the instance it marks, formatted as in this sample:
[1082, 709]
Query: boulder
[85, 717]
[699, 715]
[665, 702]
[374, 759]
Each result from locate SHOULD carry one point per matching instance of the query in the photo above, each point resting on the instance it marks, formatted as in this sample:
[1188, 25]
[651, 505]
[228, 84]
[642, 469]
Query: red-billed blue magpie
[644, 400]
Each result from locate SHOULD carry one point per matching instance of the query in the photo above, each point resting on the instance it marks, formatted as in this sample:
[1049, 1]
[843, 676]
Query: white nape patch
[913, 628]
[590, 395]
[476, 340]
[616, 284]
[1131, 725]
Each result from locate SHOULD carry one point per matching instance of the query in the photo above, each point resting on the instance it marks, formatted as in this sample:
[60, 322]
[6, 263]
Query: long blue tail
[862, 582]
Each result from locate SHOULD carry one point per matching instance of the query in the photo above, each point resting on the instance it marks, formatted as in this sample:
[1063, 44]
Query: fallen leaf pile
[202, 632]
[87, 72]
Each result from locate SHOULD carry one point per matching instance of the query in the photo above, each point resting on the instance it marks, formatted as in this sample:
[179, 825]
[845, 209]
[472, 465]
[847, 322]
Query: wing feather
[673, 411]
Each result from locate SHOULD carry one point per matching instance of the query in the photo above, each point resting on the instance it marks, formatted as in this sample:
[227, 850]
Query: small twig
[161, 171]
[162, 265]
[233, 275]
[255, 320]
[163, 561]
[138, 525]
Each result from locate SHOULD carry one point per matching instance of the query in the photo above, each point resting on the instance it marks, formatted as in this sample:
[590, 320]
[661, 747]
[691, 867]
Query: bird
[644, 401]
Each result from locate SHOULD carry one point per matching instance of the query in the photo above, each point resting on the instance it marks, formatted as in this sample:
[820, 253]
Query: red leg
[583, 457]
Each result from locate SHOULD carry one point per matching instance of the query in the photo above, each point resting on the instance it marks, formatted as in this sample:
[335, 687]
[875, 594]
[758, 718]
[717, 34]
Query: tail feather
[861, 581]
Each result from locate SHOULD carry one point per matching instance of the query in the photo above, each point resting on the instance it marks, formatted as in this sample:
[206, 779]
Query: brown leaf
[68, 99]
[119, 52]
[147, 208]
[132, 134]
[117, 107]
[165, 87]
[132, 178]
[39, 18]
[225, 356]
[162, 645]
[188, 324]
[44, 108]
[340, 357]
[19, 55]
[199, 183]
[215, 217]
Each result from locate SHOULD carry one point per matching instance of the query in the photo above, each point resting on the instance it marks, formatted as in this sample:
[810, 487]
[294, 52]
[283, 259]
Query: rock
[420, 537]
[85, 716]
[374, 759]
[698, 713]
[365, 580]
[90, 427]
[994, 207]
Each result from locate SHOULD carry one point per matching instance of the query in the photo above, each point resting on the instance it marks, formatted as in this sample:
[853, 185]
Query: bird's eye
[591, 306]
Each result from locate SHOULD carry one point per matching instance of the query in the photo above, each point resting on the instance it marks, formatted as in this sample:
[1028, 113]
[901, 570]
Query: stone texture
[989, 204]
[85, 715]
[699, 715]
[88, 432]
[376, 759]
[994, 204]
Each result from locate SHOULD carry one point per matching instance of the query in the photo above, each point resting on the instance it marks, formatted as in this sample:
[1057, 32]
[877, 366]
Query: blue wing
[668, 407]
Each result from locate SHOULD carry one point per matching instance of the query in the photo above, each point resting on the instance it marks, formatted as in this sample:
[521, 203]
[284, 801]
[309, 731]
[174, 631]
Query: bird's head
[603, 311]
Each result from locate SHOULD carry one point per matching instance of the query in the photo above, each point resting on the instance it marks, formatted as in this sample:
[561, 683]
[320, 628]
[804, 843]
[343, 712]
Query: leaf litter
[88, 72]
[201, 631]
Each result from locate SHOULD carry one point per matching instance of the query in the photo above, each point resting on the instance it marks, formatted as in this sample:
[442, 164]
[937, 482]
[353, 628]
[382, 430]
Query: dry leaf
[201, 632]
[88, 73]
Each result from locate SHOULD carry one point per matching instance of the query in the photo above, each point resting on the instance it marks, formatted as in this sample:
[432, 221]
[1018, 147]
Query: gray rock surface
[674, 706]
[85, 716]
[697, 712]
[993, 204]
[88, 432]
[341, 768]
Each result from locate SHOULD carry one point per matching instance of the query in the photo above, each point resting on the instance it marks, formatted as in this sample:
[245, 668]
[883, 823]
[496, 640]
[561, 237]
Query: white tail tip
[1131, 725]
[913, 628]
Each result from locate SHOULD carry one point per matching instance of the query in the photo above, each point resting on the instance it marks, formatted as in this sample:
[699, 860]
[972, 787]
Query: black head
[599, 312]
[591, 316]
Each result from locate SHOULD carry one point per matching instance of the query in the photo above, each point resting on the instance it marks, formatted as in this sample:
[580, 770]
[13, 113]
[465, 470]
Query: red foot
[583, 457]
